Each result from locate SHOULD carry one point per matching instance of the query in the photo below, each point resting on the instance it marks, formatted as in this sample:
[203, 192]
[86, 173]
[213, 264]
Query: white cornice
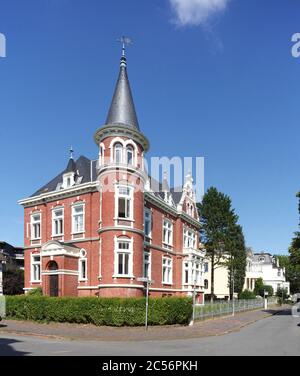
[63, 193]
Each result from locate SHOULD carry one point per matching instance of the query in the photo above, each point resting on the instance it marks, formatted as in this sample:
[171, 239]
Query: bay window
[123, 258]
[124, 202]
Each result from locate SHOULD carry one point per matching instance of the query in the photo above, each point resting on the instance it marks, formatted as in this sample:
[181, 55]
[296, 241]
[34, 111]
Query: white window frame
[167, 264]
[189, 238]
[168, 232]
[148, 219]
[68, 180]
[34, 265]
[81, 278]
[74, 215]
[58, 218]
[125, 251]
[131, 149]
[147, 260]
[33, 223]
[129, 196]
[120, 149]
[186, 268]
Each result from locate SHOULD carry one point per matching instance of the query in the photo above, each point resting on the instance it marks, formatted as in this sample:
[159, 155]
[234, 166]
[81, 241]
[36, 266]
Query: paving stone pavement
[216, 327]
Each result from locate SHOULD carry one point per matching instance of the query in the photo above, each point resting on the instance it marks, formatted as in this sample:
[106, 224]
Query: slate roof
[268, 259]
[83, 167]
[122, 110]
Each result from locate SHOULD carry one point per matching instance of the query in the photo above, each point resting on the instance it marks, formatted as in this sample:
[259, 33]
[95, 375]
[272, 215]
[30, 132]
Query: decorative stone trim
[121, 130]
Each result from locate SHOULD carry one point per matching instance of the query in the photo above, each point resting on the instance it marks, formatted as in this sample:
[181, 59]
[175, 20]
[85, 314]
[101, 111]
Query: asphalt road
[276, 335]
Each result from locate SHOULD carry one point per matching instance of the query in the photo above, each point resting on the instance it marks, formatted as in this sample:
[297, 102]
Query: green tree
[260, 288]
[237, 259]
[293, 270]
[282, 294]
[13, 282]
[217, 218]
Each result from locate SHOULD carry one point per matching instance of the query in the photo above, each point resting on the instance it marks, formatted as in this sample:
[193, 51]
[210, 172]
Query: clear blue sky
[227, 90]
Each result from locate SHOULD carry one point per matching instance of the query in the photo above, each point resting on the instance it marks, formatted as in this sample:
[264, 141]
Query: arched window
[129, 155]
[118, 149]
[101, 155]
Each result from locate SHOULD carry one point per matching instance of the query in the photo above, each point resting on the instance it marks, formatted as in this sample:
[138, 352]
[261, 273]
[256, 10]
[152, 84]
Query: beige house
[221, 285]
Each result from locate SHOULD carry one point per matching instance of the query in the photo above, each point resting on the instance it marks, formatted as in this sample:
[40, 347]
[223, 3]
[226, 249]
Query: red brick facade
[106, 254]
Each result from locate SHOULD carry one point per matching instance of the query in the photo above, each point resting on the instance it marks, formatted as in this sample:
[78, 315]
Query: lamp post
[148, 282]
[194, 301]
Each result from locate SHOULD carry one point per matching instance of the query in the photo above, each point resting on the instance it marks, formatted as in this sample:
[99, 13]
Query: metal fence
[224, 308]
[2, 306]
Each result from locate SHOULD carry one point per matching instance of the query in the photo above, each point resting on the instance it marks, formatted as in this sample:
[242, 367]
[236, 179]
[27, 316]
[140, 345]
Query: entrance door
[53, 285]
[53, 279]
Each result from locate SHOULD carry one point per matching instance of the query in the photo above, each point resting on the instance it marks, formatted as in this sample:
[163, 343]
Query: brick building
[99, 226]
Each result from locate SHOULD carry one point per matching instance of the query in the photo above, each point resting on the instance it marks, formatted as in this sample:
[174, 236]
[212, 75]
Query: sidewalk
[66, 331]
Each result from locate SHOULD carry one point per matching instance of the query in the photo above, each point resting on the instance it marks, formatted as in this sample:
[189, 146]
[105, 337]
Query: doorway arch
[52, 267]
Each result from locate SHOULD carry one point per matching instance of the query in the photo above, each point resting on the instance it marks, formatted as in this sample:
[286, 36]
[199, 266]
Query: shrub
[100, 311]
[247, 295]
[36, 292]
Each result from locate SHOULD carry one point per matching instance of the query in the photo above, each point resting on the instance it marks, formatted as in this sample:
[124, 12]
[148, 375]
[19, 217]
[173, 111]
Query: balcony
[194, 252]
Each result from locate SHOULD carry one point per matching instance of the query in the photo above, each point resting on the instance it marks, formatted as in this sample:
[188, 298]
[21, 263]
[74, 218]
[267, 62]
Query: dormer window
[68, 180]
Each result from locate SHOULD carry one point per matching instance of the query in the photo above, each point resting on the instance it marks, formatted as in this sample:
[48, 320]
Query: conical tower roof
[122, 110]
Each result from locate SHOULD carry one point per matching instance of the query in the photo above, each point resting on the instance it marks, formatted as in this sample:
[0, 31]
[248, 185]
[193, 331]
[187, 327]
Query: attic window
[68, 180]
[261, 259]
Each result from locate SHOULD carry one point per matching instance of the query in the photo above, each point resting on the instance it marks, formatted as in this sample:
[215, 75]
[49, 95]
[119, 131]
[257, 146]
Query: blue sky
[214, 82]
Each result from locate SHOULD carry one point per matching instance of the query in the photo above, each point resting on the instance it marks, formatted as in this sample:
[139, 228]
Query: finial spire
[125, 41]
[71, 152]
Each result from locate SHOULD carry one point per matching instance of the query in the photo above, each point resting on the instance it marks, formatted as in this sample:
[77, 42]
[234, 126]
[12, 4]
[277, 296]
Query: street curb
[85, 339]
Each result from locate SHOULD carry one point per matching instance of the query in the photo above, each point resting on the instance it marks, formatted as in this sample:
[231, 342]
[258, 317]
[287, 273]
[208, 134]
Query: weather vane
[125, 42]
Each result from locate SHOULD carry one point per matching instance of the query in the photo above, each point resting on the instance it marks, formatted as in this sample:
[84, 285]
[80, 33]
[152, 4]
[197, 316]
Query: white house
[264, 265]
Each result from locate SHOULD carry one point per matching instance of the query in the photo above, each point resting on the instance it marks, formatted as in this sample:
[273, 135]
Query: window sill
[167, 284]
[82, 280]
[57, 236]
[167, 246]
[124, 219]
[32, 282]
[123, 276]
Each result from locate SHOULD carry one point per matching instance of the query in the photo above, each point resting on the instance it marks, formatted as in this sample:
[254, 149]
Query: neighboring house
[10, 258]
[221, 277]
[264, 265]
[99, 226]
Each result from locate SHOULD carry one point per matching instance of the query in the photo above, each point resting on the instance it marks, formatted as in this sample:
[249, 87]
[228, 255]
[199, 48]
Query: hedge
[100, 311]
